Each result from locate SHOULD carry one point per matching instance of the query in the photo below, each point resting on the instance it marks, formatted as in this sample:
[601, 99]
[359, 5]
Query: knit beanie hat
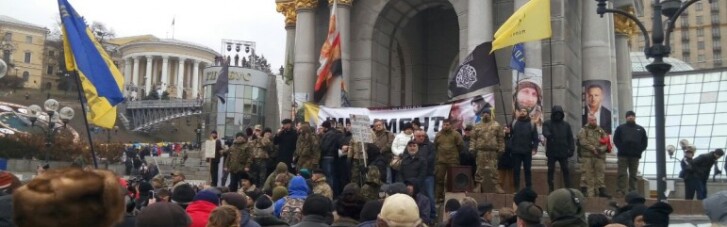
[263, 206]
[466, 217]
[566, 202]
[317, 205]
[235, 199]
[305, 173]
[400, 210]
[208, 196]
[163, 214]
[528, 211]
[371, 210]
[525, 195]
[658, 214]
[279, 192]
[714, 207]
[183, 194]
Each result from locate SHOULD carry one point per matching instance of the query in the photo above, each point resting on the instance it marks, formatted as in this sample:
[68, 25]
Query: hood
[298, 187]
[200, 206]
[566, 212]
[714, 207]
[557, 113]
[281, 168]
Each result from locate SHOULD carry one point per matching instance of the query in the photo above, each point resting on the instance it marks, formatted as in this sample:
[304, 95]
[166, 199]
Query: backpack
[292, 211]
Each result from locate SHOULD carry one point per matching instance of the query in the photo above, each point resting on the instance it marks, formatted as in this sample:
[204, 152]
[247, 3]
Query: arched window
[26, 76]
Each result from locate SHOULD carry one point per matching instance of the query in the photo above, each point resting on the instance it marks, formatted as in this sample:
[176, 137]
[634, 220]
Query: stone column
[135, 73]
[180, 77]
[287, 8]
[624, 29]
[195, 79]
[343, 20]
[596, 47]
[165, 73]
[127, 72]
[479, 23]
[305, 60]
[147, 76]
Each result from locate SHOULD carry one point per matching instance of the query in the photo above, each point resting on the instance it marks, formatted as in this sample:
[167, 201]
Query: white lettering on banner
[431, 117]
[360, 128]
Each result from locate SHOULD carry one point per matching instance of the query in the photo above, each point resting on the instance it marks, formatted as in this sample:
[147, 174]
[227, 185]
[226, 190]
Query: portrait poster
[469, 111]
[528, 94]
[596, 98]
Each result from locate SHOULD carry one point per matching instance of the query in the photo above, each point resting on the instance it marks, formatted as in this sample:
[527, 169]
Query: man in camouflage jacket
[239, 160]
[487, 142]
[261, 145]
[307, 149]
[592, 156]
[448, 143]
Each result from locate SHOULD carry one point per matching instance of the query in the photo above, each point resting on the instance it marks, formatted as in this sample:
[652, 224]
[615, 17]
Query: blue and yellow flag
[529, 23]
[101, 81]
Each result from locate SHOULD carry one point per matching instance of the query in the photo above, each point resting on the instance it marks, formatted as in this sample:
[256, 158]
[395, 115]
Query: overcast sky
[204, 22]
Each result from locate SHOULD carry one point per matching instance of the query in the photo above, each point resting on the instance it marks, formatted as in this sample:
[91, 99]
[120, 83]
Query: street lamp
[51, 106]
[657, 49]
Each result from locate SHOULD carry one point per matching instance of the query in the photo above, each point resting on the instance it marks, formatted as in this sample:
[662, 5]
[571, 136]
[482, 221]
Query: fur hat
[466, 217]
[183, 194]
[658, 214]
[235, 199]
[371, 210]
[163, 214]
[317, 205]
[525, 195]
[400, 210]
[263, 206]
[69, 197]
[714, 207]
[208, 196]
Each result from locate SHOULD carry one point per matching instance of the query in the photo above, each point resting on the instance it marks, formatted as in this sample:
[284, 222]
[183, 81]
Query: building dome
[639, 62]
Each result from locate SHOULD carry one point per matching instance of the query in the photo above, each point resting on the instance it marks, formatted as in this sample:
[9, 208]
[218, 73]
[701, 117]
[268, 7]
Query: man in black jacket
[426, 151]
[701, 166]
[285, 139]
[524, 142]
[413, 166]
[631, 141]
[330, 143]
[559, 145]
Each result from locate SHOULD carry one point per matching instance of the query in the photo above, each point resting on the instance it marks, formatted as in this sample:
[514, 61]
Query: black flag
[220, 88]
[477, 71]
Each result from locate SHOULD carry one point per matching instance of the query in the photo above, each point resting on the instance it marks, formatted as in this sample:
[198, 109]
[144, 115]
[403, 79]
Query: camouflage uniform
[239, 157]
[447, 144]
[383, 140]
[488, 141]
[321, 187]
[307, 149]
[355, 156]
[592, 155]
[370, 190]
[261, 149]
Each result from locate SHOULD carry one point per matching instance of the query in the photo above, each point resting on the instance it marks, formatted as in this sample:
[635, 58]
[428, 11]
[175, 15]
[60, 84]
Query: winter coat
[246, 220]
[413, 168]
[448, 143]
[524, 137]
[240, 157]
[321, 187]
[398, 147]
[297, 189]
[269, 221]
[199, 211]
[312, 221]
[307, 148]
[270, 181]
[631, 140]
[426, 151]
[589, 142]
[702, 165]
[687, 171]
[286, 141]
[559, 135]
[331, 142]
[261, 148]
[487, 136]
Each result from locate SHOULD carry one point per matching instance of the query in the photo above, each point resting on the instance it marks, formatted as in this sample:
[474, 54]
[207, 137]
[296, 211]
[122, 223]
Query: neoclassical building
[150, 63]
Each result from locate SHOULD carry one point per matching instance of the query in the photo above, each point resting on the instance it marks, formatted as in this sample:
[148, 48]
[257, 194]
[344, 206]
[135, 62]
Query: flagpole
[85, 118]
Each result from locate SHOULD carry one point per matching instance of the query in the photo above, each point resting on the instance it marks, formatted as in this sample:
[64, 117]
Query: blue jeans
[429, 192]
[702, 190]
[327, 164]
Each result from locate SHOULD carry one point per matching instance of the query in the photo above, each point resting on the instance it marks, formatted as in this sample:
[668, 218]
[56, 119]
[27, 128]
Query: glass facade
[243, 108]
[696, 110]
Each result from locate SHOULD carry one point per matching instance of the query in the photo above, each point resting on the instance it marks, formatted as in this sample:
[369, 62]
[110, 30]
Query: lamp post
[658, 48]
[51, 106]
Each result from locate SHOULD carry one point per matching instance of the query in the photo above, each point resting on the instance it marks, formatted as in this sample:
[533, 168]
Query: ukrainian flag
[101, 81]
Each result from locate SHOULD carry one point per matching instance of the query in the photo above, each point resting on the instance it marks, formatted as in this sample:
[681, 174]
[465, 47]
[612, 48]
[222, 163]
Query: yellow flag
[530, 22]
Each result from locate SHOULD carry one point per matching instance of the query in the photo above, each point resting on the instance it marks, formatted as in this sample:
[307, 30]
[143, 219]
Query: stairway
[194, 169]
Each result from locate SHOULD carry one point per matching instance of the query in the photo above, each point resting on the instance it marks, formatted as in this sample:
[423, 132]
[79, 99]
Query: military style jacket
[589, 142]
[261, 148]
[487, 137]
[448, 144]
[239, 157]
[307, 147]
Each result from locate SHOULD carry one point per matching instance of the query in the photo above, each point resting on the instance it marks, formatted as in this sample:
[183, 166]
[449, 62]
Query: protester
[528, 215]
[289, 208]
[634, 204]
[448, 143]
[201, 207]
[559, 146]
[224, 216]
[524, 195]
[566, 208]
[714, 208]
[507, 217]
[163, 214]
[370, 213]
[348, 207]
[315, 210]
[450, 208]
[370, 189]
[383, 139]
[286, 139]
[183, 195]
[631, 141]
[466, 217]
[657, 214]
[281, 168]
[399, 210]
[691, 180]
[263, 213]
[279, 192]
[240, 203]
[214, 162]
[320, 185]
[178, 178]
[597, 220]
[239, 160]
[307, 149]
[484, 210]
[524, 142]
[488, 141]
[262, 146]
[398, 148]
[592, 156]
[413, 166]
[69, 197]
[426, 151]
[329, 145]
[702, 165]
[421, 200]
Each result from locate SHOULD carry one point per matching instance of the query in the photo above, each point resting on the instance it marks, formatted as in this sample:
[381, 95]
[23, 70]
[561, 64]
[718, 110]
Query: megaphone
[3, 68]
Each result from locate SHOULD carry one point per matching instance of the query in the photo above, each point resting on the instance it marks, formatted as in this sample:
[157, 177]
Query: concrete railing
[146, 104]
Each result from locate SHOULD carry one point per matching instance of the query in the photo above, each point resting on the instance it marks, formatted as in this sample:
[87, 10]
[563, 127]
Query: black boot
[584, 190]
[602, 193]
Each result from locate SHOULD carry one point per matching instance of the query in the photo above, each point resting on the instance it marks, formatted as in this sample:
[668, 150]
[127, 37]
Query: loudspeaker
[459, 179]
